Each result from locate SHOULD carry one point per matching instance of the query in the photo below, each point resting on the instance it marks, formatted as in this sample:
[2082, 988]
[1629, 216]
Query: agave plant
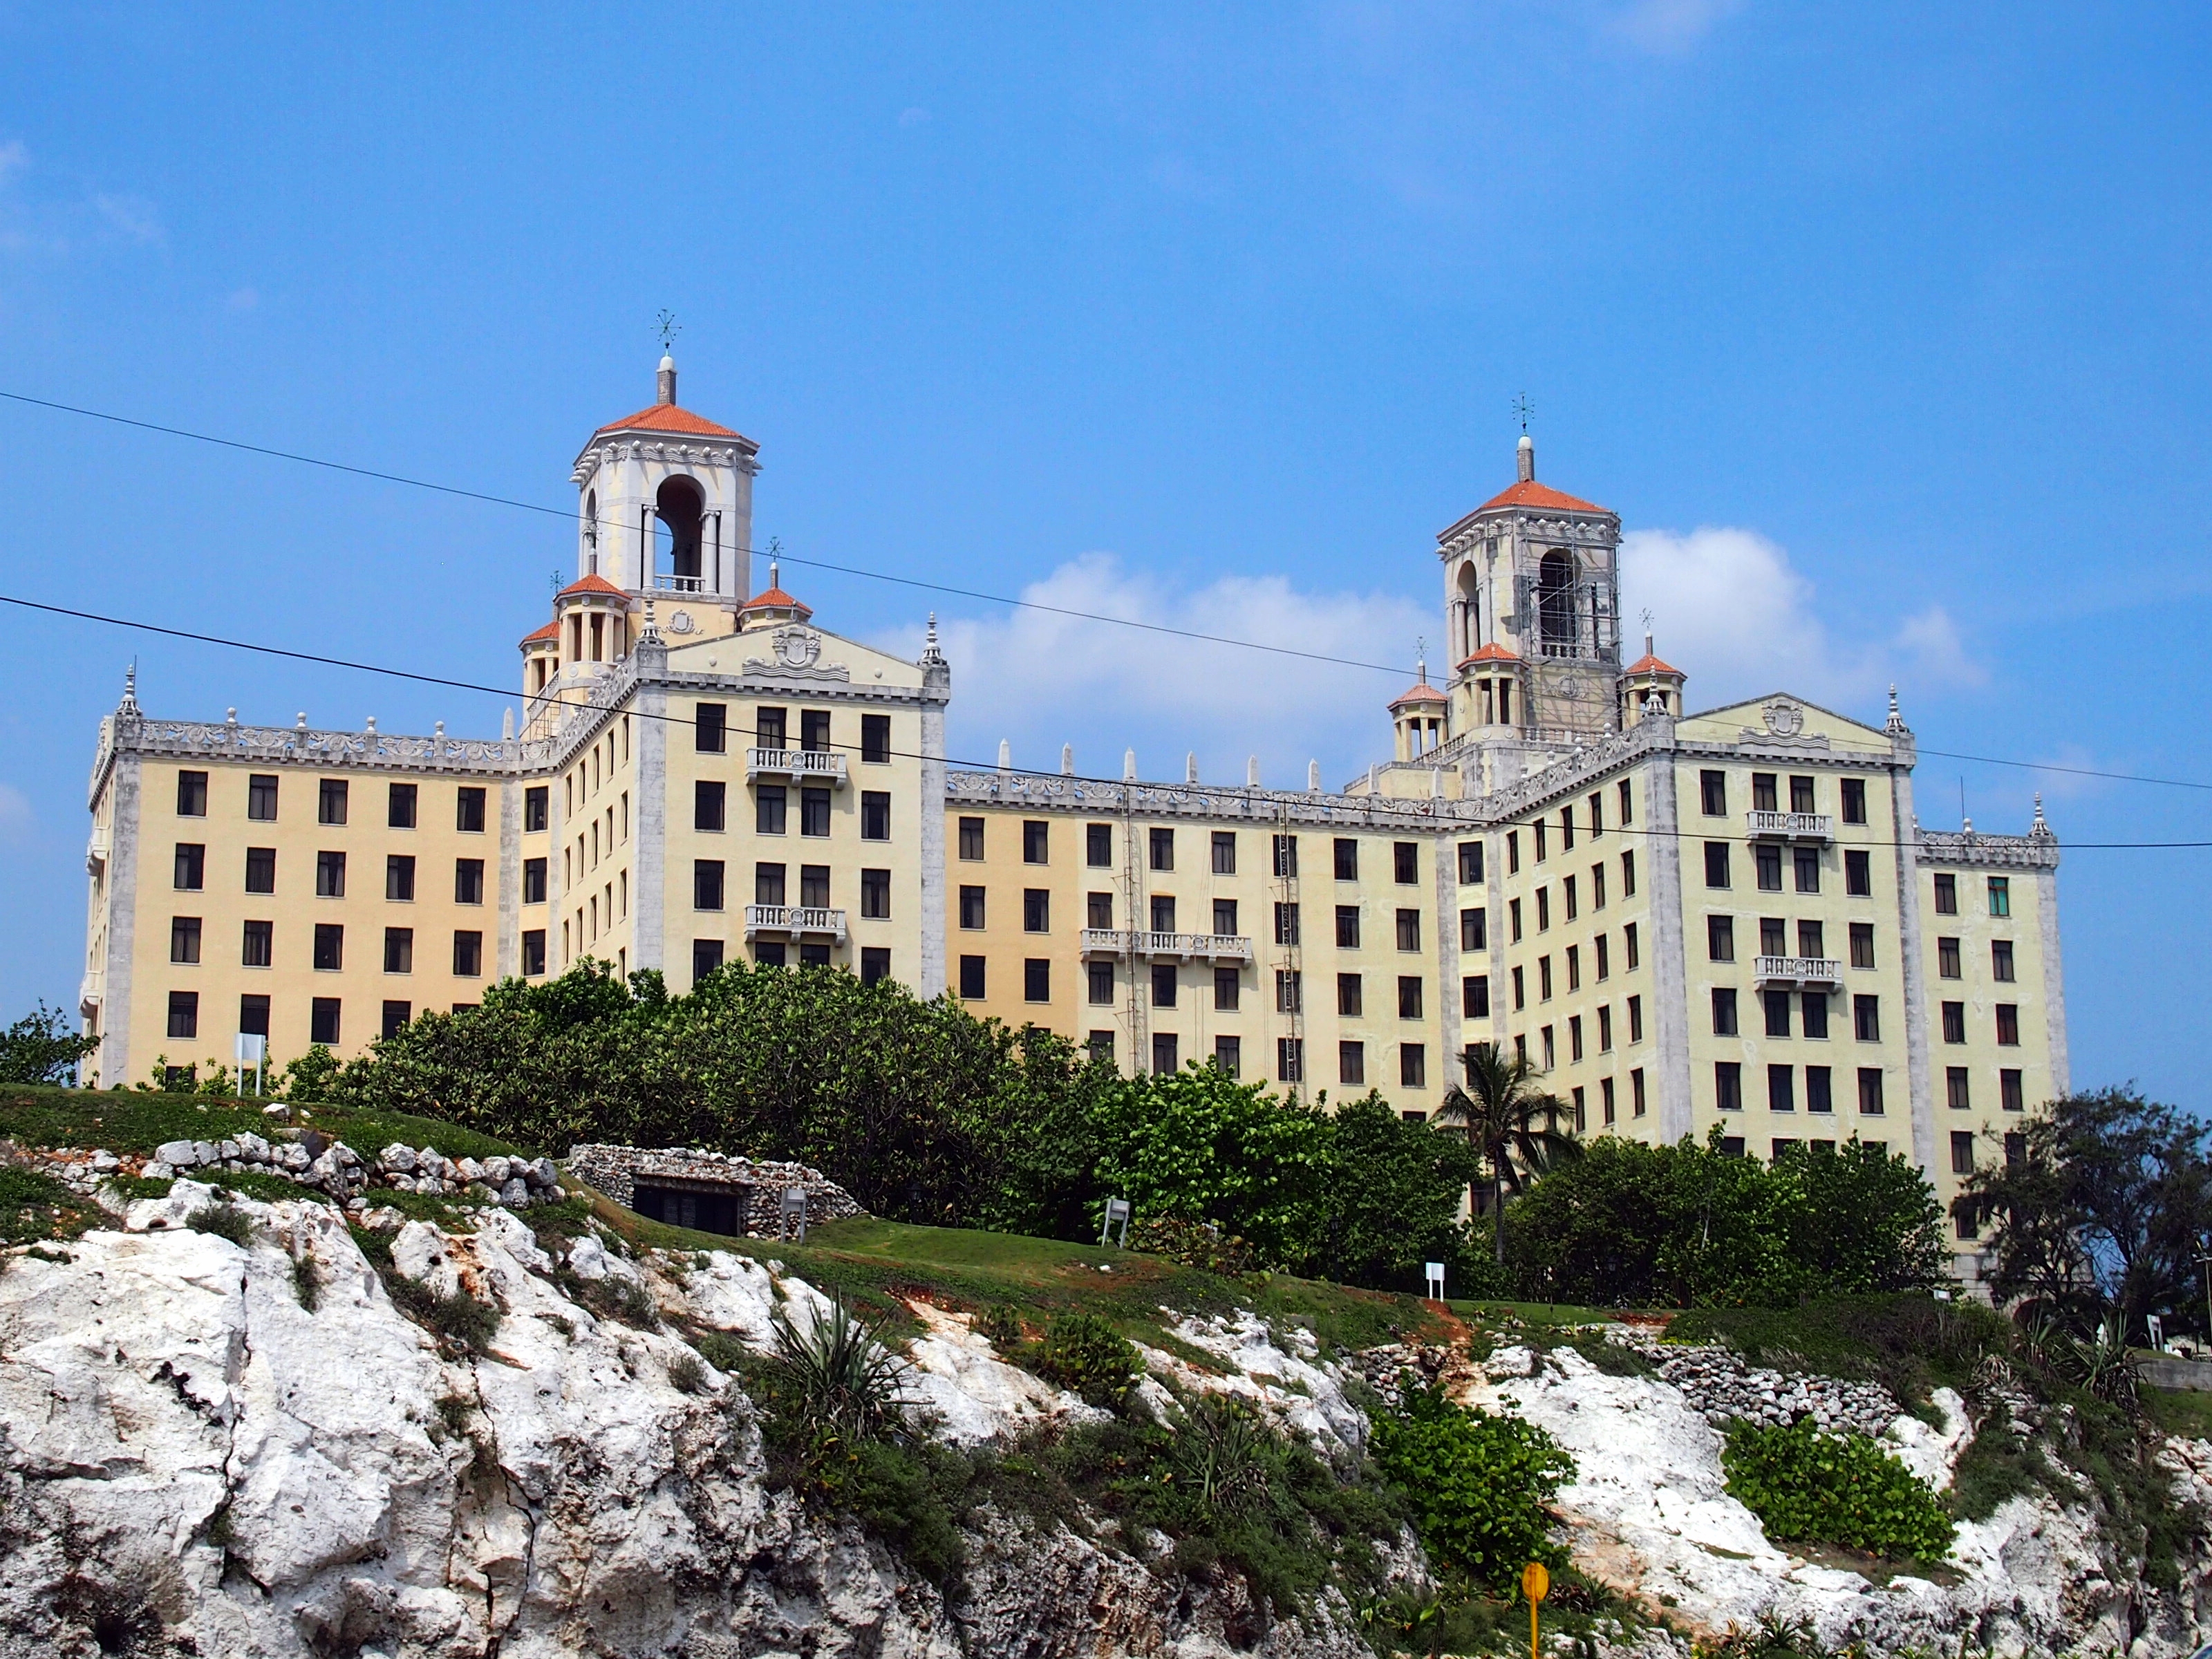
[2099, 1365]
[837, 1376]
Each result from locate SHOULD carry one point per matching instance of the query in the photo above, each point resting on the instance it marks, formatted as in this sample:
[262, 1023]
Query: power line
[903, 754]
[817, 564]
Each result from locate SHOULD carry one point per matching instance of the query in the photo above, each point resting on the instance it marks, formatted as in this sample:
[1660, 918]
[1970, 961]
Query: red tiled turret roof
[593, 583]
[1422, 693]
[1492, 653]
[1648, 664]
[1529, 493]
[550, 631]
[774, 598]
[667, 417]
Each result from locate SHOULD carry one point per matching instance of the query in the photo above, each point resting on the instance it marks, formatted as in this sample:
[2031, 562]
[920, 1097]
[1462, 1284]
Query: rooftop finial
[1067, 760]
[1896, 723]
[2040, 827]
[1525, 451]
[1005, 756]
[1190, 767]
[929, 651]
[130, 684]
[669, 328]
[1128, 766]
[1421, 660]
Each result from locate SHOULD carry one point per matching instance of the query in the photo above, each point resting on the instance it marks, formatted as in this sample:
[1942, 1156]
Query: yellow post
[1535, 1584]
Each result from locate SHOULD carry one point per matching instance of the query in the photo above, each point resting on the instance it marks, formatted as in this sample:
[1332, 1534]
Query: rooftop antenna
[669, 328]
[1522, 408]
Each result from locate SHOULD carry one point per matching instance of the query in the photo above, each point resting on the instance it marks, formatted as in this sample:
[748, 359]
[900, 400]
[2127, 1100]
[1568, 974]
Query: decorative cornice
[1970, 848]
[1045, 792]
[324, 751]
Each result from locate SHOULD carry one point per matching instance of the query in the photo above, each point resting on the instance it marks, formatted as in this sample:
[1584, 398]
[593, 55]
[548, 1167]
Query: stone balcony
[1819, 828]
[805, 922]
[1798, 973]
[795, 766]
[1181, 947]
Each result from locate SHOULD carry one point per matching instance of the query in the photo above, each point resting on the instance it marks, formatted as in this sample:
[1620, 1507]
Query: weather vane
[669, 328]
[1522, 408]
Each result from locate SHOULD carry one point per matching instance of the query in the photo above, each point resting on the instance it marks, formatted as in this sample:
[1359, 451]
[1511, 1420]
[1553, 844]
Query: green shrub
[306, 1280]
[1193, 1244]
[1085, 1355]
[224, 1221]
[722, 1350]
[1001, 1325]
[458, 1319]
[137, 1187]
[35, 1206]
[687, 1374]
[837, 1379]
[40, 1048]
[1477, 1483]
[1806, 1485]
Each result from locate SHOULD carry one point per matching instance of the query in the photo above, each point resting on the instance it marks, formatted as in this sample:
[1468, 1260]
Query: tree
[40, 1048]
[1393, 1202]
[1866, 1221]
[2099, 1206]
[1500, 1106]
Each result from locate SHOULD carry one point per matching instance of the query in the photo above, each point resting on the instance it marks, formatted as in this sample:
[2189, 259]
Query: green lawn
[2186, 1412]
[127, 1120]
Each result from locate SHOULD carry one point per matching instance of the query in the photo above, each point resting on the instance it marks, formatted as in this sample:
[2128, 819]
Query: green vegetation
[1909, 1343]
[1512, 1121]
[1478, 1483]
[1808, 1486]
[224, 1221]
[1085, 1354]
[125, 1121]
[41, 1048]
[34, 1207]
[460, 1322]
[2185, 1411]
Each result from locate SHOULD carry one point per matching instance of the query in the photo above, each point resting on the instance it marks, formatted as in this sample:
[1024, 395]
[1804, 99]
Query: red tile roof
[667, 417]
[593, 583]
[1492, 653]
[1529, 493]
[550, 631]
[774, 598]
[1648, 664]
[1422, 693]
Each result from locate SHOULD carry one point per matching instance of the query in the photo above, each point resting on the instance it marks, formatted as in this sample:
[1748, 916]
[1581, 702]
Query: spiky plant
[837, 1377]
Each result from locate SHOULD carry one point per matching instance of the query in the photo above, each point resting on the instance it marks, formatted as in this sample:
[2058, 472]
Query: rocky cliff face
[196, 1461]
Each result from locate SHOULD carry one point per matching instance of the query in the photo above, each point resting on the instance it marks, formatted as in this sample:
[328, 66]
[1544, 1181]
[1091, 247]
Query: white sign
[1436, 1281]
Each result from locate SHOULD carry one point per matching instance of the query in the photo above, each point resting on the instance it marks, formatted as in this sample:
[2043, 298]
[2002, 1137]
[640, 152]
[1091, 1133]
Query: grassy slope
[126, 1121]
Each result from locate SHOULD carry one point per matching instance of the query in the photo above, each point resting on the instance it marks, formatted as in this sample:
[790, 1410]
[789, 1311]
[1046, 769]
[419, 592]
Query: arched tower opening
[1470, 611]
[679, 505]
[590, 533]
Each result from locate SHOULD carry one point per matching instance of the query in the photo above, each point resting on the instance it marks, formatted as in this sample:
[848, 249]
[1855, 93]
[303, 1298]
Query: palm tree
[1512, 1120]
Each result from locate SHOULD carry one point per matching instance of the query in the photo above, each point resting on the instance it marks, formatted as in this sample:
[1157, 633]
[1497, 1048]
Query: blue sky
[1883, 327]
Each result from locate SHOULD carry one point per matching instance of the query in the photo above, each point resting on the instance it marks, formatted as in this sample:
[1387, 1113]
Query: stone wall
[617, 1170]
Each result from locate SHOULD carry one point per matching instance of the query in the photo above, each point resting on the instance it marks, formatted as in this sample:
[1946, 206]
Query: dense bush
[1629, 1224]
[1478, 1483]
[1808, 1486]
[1086, 1355]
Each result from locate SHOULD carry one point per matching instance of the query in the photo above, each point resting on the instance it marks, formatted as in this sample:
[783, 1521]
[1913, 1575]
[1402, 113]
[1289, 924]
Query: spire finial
[1005, 756]
[1190, 767]
[1067, 760]
[130, 684]
[1128, 766]
[1421, 659]
[650, 634]
[2040, 827]
[1896, 723]
[669, 328]
[929, 651]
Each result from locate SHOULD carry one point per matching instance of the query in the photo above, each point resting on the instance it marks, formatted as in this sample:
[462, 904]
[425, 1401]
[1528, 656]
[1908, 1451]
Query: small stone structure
[709, 1191]
[1719, 1384]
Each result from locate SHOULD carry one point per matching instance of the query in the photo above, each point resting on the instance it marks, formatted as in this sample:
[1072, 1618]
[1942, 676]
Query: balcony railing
[1186, 947]
[794, 921]
[668, 584]
[1789, 826]
[1804, 972]
[796, 765]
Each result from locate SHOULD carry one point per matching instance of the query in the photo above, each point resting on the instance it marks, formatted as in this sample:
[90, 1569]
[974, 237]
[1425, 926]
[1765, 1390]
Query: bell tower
[665, 502]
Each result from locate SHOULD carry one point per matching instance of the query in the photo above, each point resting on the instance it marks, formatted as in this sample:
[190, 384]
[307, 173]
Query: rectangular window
[399, 949]
[1475, 929]
[330, 875]
[261, 797]
[1720, 938]
[1290, 1058]
[971, 908]
[1773, 937]
[1347, 856]
[1820, 1095]
[1628, 948]
[2001, 961]
[1712, 794]
[1513, 921]
[1566, 829]
[1954, 1022]
[1164, 913]
[1349, 1001]
[814, 886]
[400, 806]
[1862, 945]
[1946, 895]
[1605, 1096]
[1781, 1088]
[1717, 865]
[1962, 1151]
[875, 960]
[875, 815]
[1858, 875]
[1229, 1054]
[1036, 911]
[1100, 911]
[1101, 974]
[1286, 923]
[1767, 860]
[971, 979]
[1470, 863]
[323, 1021]
[1352, 1064]
[1036, 842]
[185, 1012]
[708, 801]
[254, 1015]
[533, 952]
[1289, 991]
[1762, 792]
[1574, 966]
[1855, 800]
[1541, 829]
[1958, 1089]
[1284, 852]
[2011, 1095]
[536, 807]
[1627, 803]
[1807, 861]
[1228, 982]
[1165, 1060]
[1164, 985]
[1409, 930]
[331, 801]
[1870, 1090]
[1635, 1019]
[1596, 813]
[2000, 896]
[707, 884]
[1627, 877]
[2007, 1025]
[1866, 1018]
[1413, 1065]
[1098, 845]
[1814, 1004]
[814, 730]
[769, 803]
[183, 939]
[259, 944]
[1776, 1008]
[1512, 851]
[1543, 908]
[1161, 845]
[1723, 1011]
[710, 728]
[814, 812]
[1036, 980]
[468, 881]
[1597, 887]
[1947, 958]
[1574, 1038]
[1520, 997]
[1224, 852]
[190, 866]
[1101, 1045]
[876, 895]
[192, 795]
[1727, 1085]
[1801, 795]
[1544, 978]
[971, 839]
[330, 946]
[468, 954]
[1636, 1103]
[706, 956]
[875, 740]
[1474, 996]
[534, 881]
[1567, 891]
[1409, 996]
[1406, 862]
[1225, 918]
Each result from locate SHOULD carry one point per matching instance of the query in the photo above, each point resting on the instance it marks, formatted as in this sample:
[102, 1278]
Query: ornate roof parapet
[302, 745]
[1970, 848]
[1039, 791]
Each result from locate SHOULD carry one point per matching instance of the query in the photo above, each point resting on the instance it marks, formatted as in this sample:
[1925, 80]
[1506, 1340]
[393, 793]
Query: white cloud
[1039, 679]
[15, 818]
[1672, 26]
[132, 215]
[1730, 611]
